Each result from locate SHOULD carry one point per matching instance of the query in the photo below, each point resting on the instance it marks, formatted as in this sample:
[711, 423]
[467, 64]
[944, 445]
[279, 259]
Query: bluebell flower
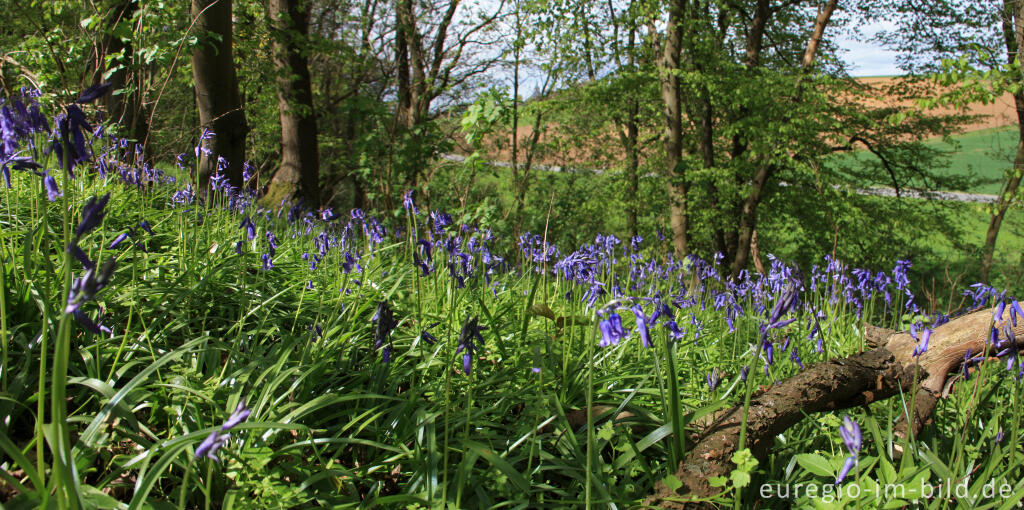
[350, 264]
[268, 262]
[1015, 311]
[673, 330]
[218, 438]
[89, 324]
[1011, 337]
[80, 256]
[92, 214]
[440, 221]
[641, 326]
[384, 324]
[1000, 306]
[850, 432]
[612, 330]
[922, 347]
[408, 203]
[427, 337]
[85, 287]
[785, 304]
[795, 358]
[272, 243]
[470, 331]
[848, 465]
[712, 379]
[52, 191]
[899, 274]
[71, 126]
[119, 239]
[93, 93]
[16, 163]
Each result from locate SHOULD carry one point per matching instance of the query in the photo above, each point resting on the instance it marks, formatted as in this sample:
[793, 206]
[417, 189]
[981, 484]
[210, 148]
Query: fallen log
[888, 369]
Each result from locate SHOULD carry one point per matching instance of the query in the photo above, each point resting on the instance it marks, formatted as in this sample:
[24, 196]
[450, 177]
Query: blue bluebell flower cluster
[219, 438]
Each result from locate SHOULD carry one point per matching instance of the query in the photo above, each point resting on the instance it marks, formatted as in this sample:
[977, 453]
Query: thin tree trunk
[1005, 199]
[125, 107]
[217, 97]
[748, 213]
[632, 167]
[677, 185]
[523, 184]
[1013, 34]
[517, 220]
[300, 161]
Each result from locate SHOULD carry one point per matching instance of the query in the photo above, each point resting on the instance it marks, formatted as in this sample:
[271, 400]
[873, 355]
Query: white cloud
[868, 58]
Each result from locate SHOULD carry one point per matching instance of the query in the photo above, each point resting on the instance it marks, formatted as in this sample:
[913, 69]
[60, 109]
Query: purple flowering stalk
[384, 324]
[218, 438]
[470, 330]
[850, 432]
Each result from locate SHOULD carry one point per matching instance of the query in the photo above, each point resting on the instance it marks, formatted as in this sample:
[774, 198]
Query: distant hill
[561, 150]
[999, 113]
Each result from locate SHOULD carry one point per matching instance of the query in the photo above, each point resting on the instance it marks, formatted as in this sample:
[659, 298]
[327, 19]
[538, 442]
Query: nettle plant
[162, 346]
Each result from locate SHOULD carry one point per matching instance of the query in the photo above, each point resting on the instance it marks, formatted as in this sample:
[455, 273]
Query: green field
[986, 153]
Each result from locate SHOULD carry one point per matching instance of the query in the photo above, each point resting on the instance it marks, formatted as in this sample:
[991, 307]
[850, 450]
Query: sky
[869, 59]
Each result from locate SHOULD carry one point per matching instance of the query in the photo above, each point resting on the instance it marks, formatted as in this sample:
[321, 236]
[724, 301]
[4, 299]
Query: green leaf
[744, 460]
[95, 498]
[718, 481]
[672, 482]
[606, 431]
[740, 478]
[816, 464]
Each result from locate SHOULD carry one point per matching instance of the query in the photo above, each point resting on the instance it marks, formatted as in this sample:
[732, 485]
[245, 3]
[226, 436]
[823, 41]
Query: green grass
[986, 154]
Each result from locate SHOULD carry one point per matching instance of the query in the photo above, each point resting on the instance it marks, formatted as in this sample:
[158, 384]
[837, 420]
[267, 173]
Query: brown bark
[1013, 34]
[126, 107]
[677, 185]
[299, 173]
[423, 73]
[629, 142]
[1003, 204]
[887, 370]
[755, 38]
[217, 97]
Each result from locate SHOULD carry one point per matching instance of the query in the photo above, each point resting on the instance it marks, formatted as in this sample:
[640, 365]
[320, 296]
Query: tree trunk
[217, 98]
[748, 214]
[1013, 34]
[677, 185]
[1005, 199]
[630, 142]
[125, 107]
[300, 162]
[888, 370]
